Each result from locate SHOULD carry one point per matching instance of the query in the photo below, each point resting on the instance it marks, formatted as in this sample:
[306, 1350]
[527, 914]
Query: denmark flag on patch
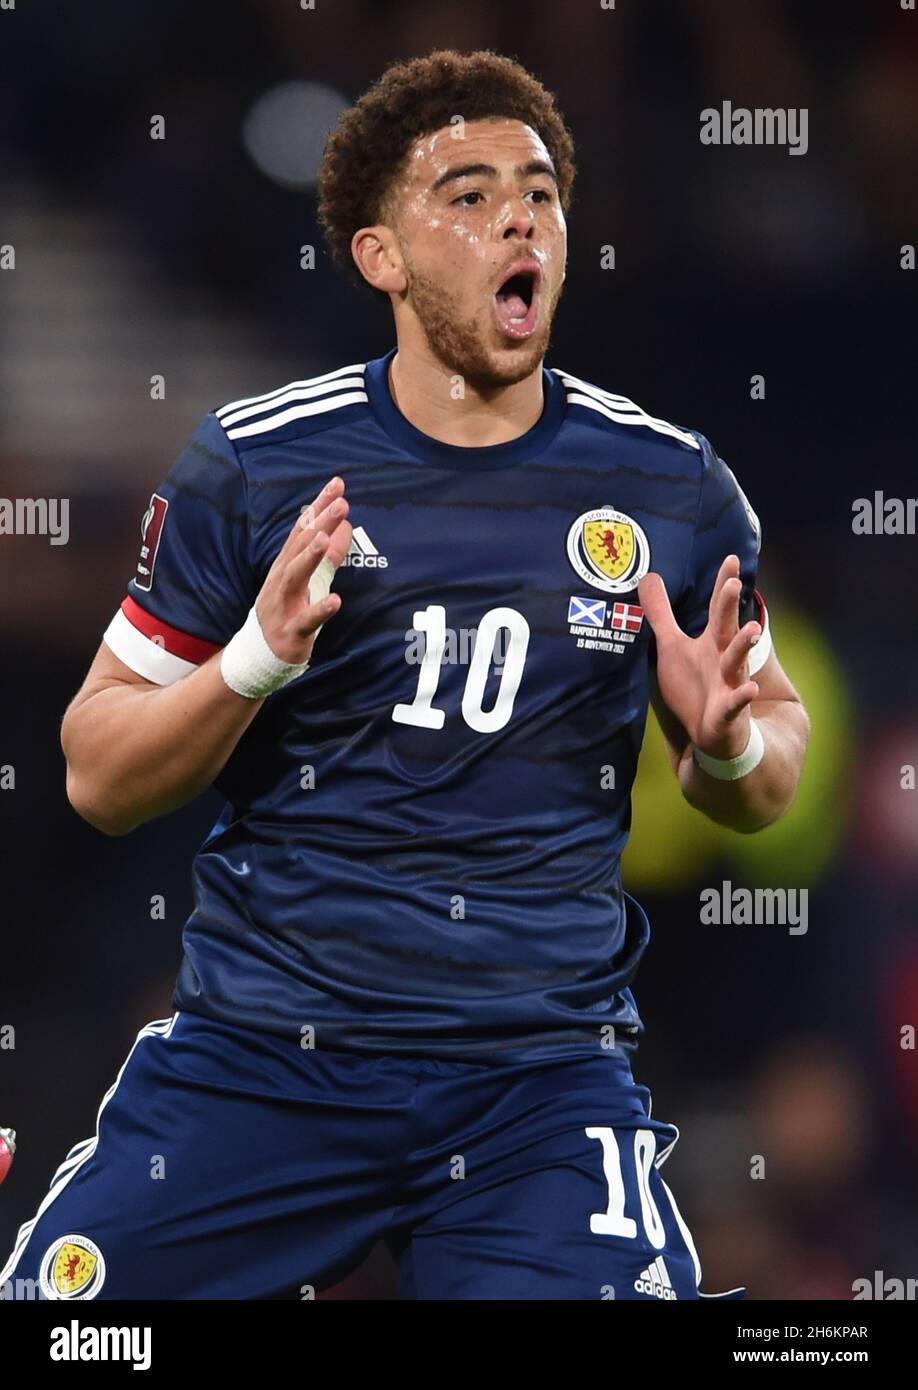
[151, 527]
[627, 617]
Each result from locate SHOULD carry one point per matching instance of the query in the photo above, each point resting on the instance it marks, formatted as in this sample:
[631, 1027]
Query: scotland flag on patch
[591, 611]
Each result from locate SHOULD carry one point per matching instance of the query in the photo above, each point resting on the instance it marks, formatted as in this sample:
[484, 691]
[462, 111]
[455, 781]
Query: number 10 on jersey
[432, 622]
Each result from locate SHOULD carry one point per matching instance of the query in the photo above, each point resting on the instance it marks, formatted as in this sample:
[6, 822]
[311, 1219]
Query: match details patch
[151, 528]
[71, 1268]
[608, 549]
[600, 626]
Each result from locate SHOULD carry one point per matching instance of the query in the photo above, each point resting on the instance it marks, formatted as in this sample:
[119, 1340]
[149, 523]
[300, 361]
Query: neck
[424, 390]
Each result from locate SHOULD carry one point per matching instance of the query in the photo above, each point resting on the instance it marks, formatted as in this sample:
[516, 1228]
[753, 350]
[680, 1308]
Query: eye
[463, 196]
[541, 194]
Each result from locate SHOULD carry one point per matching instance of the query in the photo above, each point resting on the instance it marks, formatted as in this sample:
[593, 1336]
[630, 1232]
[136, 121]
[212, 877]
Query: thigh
[564, 1200]
[224, 1165]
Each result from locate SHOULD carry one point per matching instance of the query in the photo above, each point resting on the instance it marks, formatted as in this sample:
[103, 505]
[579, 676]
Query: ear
[378, 258]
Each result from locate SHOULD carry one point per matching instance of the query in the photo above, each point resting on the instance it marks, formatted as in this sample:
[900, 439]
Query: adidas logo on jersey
[363, 553]
[655, 1281]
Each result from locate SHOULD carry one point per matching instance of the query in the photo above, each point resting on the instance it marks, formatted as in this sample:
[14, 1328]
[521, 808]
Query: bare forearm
[134, 754]
[763, 795]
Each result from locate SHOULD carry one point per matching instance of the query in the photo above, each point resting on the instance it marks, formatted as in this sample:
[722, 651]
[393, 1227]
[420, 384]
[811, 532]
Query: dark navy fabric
[395, 888]
[231, 1164]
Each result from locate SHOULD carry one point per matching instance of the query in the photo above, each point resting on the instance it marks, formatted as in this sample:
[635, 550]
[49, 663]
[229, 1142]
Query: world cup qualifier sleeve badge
[609, 551]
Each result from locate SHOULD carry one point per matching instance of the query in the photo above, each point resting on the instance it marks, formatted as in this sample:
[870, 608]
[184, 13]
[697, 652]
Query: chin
[483, 356]
[517, 367]
[513, 364]
[493, 367]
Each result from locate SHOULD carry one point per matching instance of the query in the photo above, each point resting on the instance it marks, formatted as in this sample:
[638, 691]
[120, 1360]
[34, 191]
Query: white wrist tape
[731, 769]
[249, 666]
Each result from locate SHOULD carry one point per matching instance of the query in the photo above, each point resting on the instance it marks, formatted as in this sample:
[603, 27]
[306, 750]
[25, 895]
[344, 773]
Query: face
[483, 239]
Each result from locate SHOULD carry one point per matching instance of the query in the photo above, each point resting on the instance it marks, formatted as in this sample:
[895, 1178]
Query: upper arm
[106, 670]
[194, 584]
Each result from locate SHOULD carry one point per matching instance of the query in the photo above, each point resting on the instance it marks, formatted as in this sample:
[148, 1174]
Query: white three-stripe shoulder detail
[266, 400]
[619, 408]
[298, 412]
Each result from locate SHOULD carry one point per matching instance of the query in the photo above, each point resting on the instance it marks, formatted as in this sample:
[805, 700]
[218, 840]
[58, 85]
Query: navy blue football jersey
[420, 847]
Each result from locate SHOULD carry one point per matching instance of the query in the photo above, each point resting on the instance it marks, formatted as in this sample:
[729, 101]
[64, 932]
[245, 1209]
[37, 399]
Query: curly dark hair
[411, 99]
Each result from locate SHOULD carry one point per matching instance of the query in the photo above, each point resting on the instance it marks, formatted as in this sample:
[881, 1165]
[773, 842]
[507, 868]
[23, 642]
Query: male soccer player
[404, 1009]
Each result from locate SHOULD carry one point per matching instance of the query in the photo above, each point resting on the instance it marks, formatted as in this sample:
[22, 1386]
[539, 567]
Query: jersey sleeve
[193, 585]
[726, 525]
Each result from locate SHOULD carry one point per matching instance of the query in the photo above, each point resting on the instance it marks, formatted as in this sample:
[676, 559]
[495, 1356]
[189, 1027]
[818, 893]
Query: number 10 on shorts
[613, 1221]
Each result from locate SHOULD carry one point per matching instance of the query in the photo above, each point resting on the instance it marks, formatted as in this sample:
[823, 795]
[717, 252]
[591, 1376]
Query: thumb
[655, 603]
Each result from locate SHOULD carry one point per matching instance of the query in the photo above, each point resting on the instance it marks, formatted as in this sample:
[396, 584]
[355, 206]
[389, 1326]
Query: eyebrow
[487, 171]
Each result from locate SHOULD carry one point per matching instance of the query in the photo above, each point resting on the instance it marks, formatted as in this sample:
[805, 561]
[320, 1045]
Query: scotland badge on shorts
[71, 1268]
[608, 549]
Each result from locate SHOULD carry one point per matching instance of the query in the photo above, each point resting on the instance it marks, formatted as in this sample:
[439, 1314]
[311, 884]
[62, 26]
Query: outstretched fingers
[735, 701]
[329, 504]
[302, 539]
[303, 567]
[657, 608]
[723, 611]
[733, 661]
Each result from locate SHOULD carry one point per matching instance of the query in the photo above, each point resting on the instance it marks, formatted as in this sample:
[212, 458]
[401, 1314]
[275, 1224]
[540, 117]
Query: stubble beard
[460, 343]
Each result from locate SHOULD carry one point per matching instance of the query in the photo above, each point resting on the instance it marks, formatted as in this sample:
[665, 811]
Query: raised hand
[288, 617]
[704, 680]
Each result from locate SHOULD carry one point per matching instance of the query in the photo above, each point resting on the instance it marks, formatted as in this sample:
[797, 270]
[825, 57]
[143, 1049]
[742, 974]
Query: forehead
[498, 142]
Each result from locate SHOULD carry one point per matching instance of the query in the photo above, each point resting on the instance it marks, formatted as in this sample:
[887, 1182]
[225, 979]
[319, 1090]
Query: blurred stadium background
[181, 257]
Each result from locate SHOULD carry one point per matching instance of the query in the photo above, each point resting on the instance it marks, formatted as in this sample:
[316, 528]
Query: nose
[518, 219]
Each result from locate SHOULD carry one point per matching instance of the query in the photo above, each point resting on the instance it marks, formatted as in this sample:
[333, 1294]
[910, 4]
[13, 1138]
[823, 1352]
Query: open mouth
[517, 300]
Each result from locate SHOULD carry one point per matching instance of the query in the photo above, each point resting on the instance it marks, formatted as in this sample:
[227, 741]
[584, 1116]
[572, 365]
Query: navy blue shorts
[230, 1164]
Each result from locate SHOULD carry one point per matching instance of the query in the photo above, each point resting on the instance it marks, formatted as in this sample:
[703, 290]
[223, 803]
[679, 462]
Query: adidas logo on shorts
[363, 553]
[655, 1281]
